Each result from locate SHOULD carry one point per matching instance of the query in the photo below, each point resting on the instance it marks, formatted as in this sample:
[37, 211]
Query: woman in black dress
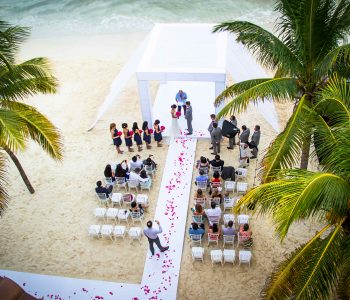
[127, 137]
[146, 135]
[137, 136]
[157, 133]
[117, 141]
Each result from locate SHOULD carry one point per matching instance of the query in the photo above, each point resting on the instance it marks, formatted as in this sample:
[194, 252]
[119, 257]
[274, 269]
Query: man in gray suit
[244, 136]
[188, 117]
[232, 141]
[210, 128]
[255, 140]
[216, 136]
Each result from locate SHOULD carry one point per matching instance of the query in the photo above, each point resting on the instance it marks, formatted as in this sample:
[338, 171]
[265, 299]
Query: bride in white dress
[175, 128]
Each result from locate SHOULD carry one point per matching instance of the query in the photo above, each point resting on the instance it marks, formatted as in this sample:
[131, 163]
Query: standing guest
[117, 141]
[152, 235]
[244, 136]
[232, 141]
[157, 133]
[103, 190]
[146, 135]
[217, 162]
[255, 141]
[216, 136]
[229, 230]
[189, 117]
[108, 172]
[181, 98]
[137, 136]
[127, 137]
[210, 128]
[243, 155]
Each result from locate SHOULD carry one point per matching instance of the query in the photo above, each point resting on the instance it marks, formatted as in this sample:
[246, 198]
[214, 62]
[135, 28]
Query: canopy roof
[184, 52]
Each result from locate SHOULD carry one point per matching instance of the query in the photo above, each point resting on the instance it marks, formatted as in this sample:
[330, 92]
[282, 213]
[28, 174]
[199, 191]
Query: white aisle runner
[161, 272]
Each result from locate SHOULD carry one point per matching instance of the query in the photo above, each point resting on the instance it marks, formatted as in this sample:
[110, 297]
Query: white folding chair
[229, 203]
[107, 231]
[200, 201]
[228, 239]
[145, 185]
[120, 183]
[142, 199]
[100, 213]
[241, 173]
[196, 239]
[136, 216]
[246, 241]
[214, 220]
[128, 198]
[242, 187]
[204, 169]
[197, 219]
[119, 231]
[94, 230]
[197, 253]
[216, 185]
[135, 233]
[109, 181]
[228, 217]
[216, 169]
[245, 256]
[213, 238]
[150, 170]
[133, 184]
[117, 199]
[216, 200]
[123, 215]
[216, 256]
[112, 214]
[229, 256]
[202, 185]
[230, 186]
[103, 198]
[243, 219]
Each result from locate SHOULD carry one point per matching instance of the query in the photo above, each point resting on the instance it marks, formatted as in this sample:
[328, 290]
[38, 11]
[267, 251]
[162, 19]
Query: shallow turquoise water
[84, 17]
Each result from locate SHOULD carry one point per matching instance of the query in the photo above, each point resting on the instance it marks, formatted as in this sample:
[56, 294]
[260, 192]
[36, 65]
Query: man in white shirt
[135, 163]
[244, 154]
[135, 175]
[213, 213]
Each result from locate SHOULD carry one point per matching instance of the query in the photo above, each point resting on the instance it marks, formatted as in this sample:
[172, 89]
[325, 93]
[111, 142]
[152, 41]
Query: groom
[188, 117]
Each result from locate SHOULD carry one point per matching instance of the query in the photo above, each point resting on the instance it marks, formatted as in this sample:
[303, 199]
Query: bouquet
[162, 128]
[140, 131]
[150, 131]
[131, 132]
[120, 133]
[178, 114]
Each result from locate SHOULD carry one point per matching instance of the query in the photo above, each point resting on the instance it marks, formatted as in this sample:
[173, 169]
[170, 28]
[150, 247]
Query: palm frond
[279, 89]
[266, 47]
[12, 130]
[3, 182]
[343, 287]
[284, 151]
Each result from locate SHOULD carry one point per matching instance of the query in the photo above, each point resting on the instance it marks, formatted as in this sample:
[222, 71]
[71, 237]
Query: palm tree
[320, 268]
[307, 49]
[20, 122]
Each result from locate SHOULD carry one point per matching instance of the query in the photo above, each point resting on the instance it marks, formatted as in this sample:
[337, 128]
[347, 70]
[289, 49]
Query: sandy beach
[46, 232]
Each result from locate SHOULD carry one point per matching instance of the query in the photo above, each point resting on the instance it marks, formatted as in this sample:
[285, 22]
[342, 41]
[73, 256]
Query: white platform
[200, 94]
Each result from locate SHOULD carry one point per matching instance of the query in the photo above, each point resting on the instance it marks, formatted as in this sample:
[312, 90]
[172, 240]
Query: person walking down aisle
[232, 141]
[181, 98]
[188, 117]
[255, 141]
[152, 234]
[216, 136]
[210, 128]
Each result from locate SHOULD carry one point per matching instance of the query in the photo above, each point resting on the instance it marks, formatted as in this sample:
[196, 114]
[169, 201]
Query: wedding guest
[103, 190]
[255, 141]
[216, 136]
[198, 210]
[144, 177]
[195, 229]
[117, 141]
[216, 196]
[137, 208]
[213, 213]
[121, 172]
[157, 133]
[216, 178]
[137, 136]
[229, 230]
[210, 128]
[199, 194]
[214, 229]
[152, 235]
[202, 177]
[146, 135]
[108, 172]
[244, 155]
[136, 162]
[135, 175]
[244, 136]
[203, 162]
[232, 141]
[245, 235]
[217, 162]
[150, 162]
[127, 137]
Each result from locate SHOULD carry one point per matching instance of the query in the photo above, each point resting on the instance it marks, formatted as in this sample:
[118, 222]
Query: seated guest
[216, 195]
[101, 189]
[245, 233]
[108, 172]
[144, 177]
[228, 173]
[137, 208]
[203, 163]
[229, 230]
[202, 177]
[244, 154]
[214, 229]
[199, 194]
[135, 175]
[216, 177]
[217, 162]
[195, 229]
[121, 172]
[135, 163]
[150, 162]
[198, 210]
[213, 213]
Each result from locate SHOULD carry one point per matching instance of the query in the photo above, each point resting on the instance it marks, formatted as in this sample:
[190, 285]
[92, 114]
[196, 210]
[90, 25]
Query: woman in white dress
[175, 128]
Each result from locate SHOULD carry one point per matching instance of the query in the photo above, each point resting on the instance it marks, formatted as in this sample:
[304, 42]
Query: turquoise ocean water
[89, 17]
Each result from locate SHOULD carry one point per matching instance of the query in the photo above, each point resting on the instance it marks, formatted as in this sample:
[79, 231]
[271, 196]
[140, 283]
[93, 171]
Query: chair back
[146, 184]
[229, 239]
[119, 180]
[109, 180]
[215, 185]
[204, 169]
[133, 183]
[216, 169]
[127, 198]
[242, 187]
[243, 219]
[213, 237]
[197, 219]
[202, 185]
[135, 215]
[214, 219]
[245, 256]
[195, 237]
[102, 196]
[200, 201]
[241, 173]
[216, 200]
[230, 186]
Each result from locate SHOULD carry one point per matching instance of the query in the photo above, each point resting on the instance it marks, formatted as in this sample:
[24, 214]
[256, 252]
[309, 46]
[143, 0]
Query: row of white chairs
[241, 173]
[115, 214]
[120, 199]
[241, 219]
[222, 256]
[115, 232]
[228, 202]
[128, 184]
[229, 186]
[196, 239]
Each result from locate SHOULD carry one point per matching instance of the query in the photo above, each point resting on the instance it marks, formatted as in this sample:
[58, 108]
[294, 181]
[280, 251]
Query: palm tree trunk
[20, 169]
[305, 152]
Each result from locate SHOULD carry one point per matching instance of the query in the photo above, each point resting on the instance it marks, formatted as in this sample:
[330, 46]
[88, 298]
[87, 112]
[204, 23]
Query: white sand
[47, 232]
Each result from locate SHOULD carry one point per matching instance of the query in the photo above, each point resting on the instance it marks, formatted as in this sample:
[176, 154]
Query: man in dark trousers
[189, 117]
[216, 136]
[244, 136]
[152, 235]
[255, 141]
[210, 128]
